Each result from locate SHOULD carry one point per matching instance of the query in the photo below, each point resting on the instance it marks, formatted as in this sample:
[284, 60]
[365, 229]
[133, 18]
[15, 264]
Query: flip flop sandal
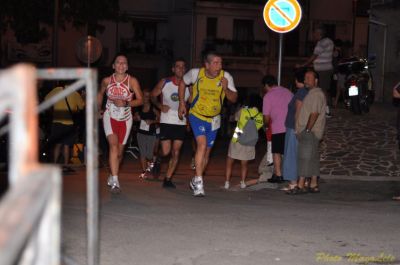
[297, 191]
[289, 187]
[314, 189]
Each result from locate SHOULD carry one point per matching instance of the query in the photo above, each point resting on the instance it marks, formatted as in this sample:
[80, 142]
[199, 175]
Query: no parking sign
[282, 16]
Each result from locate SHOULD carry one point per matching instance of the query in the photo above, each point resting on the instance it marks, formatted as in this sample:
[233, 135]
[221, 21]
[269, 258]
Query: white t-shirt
[170, 98]
[324, 52]
[191, 77]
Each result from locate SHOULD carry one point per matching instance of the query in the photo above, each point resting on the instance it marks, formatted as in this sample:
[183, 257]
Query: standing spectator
[266, 166]
[339, 76]
[322, 62]
[119, 88]
[310, 126]
[211, 85]
[148, 117]
[238, 151]
[275, 110]
[172, 129]
[290, 157]
[63, 131]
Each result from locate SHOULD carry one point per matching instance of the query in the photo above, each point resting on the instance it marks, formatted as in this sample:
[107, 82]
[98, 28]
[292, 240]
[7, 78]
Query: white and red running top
[119, 91]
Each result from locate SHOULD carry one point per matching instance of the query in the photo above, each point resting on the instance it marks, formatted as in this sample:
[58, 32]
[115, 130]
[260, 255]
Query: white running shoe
[150, 167]
[242, 184]
[110, 181]
[196, 184]
[115, 188]
[226, 185]
[143, 175]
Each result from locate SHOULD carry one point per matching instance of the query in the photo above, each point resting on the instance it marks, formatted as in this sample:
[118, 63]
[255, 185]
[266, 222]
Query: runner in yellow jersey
[211, 85]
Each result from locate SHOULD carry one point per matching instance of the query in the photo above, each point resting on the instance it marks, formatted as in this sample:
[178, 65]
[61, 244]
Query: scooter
[359, 92]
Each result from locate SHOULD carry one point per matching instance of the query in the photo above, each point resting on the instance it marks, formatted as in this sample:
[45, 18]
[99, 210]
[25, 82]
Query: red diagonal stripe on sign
[282, 13]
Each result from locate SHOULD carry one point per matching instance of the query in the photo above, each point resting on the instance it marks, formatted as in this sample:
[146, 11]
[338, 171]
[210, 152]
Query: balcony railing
[147, 46]
[256, 48]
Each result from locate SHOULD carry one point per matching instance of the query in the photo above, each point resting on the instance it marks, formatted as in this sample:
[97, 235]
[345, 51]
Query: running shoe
[226, 186]
[167, 183]
[115, 188]
[110, 181]
[196, 184]
[143, 175]
[242, 184]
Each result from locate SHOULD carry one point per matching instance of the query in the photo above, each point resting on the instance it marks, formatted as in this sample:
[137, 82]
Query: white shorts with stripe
[121, 128]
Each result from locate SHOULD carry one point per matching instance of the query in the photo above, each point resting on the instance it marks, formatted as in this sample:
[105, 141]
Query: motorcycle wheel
[365, 106]
[355, 105]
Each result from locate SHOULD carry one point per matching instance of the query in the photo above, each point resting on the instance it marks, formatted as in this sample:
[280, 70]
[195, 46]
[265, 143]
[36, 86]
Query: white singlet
[119, 90]
[170, 98]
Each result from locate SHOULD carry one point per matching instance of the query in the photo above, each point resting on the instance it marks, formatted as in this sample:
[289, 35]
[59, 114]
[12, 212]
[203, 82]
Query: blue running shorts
[201, 127]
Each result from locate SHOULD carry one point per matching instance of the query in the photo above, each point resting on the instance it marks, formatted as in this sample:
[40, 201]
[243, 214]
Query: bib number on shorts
[117, 112]
[216, 123]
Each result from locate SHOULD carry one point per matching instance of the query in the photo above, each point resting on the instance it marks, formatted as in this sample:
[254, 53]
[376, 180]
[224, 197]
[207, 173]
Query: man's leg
[201, 150]
[205, 138]
[173, 162]
[165, 147]
[278, 146]
[277, 158]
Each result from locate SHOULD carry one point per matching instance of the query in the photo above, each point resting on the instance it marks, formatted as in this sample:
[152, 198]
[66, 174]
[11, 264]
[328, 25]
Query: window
[212, 27]
[243, 37]
[243, 30]
[145, 34]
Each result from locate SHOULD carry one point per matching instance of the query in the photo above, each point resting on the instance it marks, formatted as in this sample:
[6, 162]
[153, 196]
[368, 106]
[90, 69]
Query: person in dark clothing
[148, 116]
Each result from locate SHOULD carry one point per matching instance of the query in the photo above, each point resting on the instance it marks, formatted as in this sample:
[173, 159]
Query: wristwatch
[308, 130]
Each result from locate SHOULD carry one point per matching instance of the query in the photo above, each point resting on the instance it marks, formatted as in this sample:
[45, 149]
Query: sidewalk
[361, 146]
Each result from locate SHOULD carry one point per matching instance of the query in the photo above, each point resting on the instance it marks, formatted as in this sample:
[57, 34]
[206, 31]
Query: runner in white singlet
[172, 129]
[123, 92]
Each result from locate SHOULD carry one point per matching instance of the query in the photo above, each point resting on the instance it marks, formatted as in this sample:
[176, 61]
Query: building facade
[153, 32]
[384, 46]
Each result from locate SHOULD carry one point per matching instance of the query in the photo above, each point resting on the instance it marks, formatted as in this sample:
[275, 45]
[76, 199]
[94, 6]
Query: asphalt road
[147, 224]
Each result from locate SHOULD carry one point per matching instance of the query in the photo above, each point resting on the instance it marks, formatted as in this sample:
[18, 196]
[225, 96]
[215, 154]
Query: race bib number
[216, 123]
[117, 112]
[144, 126]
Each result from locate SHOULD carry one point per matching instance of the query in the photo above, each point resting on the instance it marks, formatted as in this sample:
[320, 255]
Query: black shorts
[278, 143]
[172, 132]
[62, 134]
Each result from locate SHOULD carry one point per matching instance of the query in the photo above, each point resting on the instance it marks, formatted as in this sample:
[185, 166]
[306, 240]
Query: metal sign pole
[89, 51]
[281, 16]
[280, 58]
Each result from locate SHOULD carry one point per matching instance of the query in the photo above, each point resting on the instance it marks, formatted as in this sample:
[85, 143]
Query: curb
[360, 178]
